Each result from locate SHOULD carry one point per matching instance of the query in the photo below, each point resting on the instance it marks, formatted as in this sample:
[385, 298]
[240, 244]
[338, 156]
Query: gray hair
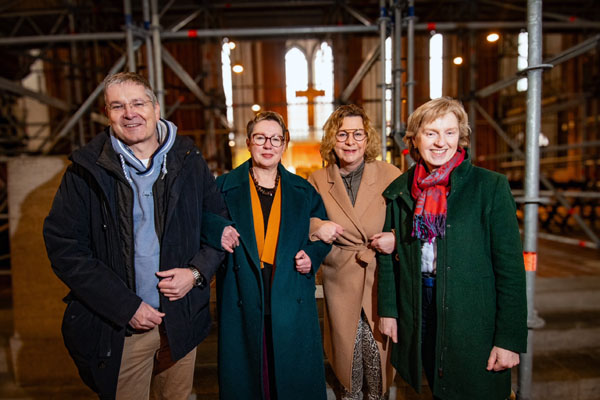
[129, 77]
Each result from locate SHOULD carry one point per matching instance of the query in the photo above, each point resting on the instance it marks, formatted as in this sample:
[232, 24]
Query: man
[124, 235]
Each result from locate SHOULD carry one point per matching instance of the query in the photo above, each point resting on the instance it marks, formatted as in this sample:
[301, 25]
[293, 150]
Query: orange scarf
[266, 244]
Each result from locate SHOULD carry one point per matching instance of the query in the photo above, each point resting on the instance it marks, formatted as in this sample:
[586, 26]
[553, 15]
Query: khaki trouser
[146, 364]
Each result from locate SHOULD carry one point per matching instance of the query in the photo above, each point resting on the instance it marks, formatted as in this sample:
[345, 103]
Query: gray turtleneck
[352, 182]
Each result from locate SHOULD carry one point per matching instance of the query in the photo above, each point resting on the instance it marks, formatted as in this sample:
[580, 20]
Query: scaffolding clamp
[534, 67]
[535, 321]
[532, 200]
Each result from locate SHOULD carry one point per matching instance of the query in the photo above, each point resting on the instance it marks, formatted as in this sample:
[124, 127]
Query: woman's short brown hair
[335, 120]
[431, 111]
[268, 116]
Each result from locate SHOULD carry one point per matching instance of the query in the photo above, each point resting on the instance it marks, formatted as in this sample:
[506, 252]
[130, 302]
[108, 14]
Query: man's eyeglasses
[136, 105]
[358, 134]
[260, 139]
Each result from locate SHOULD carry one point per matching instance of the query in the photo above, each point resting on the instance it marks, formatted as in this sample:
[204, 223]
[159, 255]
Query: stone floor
[566, 362]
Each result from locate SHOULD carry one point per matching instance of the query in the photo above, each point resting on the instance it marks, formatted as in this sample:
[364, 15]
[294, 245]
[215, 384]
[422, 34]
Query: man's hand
[303, 263]
[328, 232]
[501, 359]
[176, 282]
[146, 317]
[389, 327]
[383, 242]
[230, 239]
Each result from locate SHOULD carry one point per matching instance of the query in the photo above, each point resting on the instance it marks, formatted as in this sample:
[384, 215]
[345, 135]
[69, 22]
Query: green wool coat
[481, 300]
[297, 346]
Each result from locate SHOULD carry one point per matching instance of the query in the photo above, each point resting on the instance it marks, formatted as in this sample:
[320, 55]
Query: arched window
[308, 111]
[227, 85]
[296, 79]
[523, 48]
[388, 81]
[323, 79]
[436, 76]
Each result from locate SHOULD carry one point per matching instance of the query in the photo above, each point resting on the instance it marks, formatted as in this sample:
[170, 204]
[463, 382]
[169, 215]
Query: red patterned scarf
[430, 192]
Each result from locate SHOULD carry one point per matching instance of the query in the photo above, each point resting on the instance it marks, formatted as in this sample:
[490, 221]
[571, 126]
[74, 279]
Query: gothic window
[323, 78]
[522, 60]
[436, 76]
[310, 101]
[296, 79]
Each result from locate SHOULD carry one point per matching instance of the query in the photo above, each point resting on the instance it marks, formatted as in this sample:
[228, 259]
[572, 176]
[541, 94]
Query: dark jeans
[428, 330]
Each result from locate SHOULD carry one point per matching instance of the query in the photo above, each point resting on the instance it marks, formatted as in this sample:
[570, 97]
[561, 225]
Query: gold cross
[310, 94]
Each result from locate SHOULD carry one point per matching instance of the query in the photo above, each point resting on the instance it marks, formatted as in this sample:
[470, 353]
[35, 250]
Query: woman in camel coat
[351, 186]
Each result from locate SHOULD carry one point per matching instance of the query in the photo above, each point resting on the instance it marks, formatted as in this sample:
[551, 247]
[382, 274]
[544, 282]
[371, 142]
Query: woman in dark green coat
[269, 337]
[452, 295]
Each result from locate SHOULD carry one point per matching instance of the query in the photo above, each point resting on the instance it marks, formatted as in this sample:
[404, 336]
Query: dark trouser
[428, 328]
[270, 391]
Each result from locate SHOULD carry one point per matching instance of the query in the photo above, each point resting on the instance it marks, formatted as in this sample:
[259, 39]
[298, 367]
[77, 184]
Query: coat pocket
[81, 330]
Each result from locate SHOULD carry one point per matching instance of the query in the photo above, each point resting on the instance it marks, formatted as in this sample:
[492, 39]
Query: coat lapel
[292, 201]
[367, 191]
[236, 191]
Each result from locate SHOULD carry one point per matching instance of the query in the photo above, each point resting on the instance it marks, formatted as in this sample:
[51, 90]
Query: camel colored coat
[349, 270]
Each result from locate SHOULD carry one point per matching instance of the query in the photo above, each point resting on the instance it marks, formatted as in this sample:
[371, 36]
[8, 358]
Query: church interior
[215, 64]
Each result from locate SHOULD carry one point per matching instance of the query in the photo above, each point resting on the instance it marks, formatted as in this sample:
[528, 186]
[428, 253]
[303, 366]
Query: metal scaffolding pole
[531, 184]
[360, 17]
[410, 79]
[11, 86]
[76, 78]
[158, 67]
[383, 21]
[192, 86]
[48, 146]
[277, 31]
[509, 6]
[360, 74]
[148, 42]
[577, 50]
[506, 25]
[545, 181]
[295, 31]
[75, 37]
[397, 75]
[397, 68]
[472, 88]
[129, 35]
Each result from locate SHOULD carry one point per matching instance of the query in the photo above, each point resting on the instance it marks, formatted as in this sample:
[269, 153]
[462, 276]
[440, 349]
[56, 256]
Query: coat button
[239, 303]
[236, 268]
[299, 300]
[104, 227]
[397, 257]
[101, 365]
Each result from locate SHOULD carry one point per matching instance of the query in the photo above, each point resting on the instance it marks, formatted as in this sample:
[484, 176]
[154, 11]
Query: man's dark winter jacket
[89, 238]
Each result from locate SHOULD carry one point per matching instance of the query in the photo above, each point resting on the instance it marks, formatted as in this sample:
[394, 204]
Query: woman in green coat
[269, 337]
[452, 295]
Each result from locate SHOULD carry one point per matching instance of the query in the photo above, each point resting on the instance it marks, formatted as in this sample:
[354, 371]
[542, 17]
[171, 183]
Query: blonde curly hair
[335, 120]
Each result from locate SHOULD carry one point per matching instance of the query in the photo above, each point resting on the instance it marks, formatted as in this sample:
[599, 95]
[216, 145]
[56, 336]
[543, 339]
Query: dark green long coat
[481, 299]
[297, 347]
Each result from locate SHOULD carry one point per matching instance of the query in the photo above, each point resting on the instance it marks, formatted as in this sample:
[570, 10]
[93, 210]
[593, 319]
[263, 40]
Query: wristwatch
[199, 280]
